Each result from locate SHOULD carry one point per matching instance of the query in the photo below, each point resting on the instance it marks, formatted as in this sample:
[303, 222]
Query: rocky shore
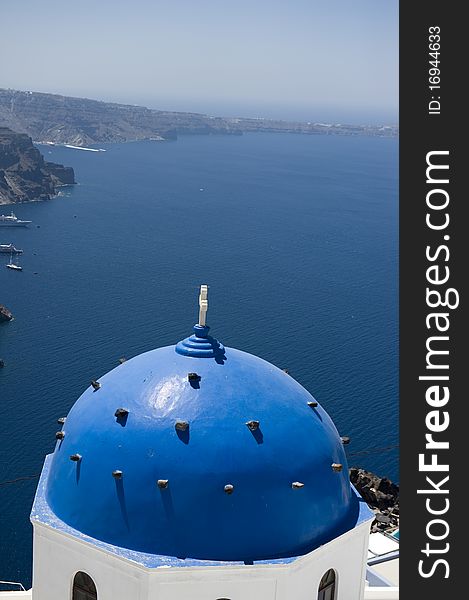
[381, 495]
[24, 174]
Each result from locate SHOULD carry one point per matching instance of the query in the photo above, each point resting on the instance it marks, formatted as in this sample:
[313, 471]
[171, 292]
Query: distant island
[24, 174]
[51, 118]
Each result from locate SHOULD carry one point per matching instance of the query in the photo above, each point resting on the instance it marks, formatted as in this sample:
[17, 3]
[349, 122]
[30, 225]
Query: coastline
[37, 200]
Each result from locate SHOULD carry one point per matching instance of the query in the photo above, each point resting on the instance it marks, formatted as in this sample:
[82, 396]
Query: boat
[12, 220]
[12, 265]
[9, 248]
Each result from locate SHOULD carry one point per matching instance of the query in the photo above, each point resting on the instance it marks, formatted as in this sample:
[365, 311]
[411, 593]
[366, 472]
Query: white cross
[203, 304]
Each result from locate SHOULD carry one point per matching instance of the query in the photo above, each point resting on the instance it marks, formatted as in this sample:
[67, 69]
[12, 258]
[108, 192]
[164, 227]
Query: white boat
[12, 220]
[12, 265]
[9, 248]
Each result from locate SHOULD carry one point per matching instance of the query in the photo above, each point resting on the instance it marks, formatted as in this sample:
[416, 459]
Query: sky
[311, 60]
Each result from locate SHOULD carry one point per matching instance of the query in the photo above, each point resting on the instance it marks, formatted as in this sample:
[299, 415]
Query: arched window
[83, 587]
[326, 590]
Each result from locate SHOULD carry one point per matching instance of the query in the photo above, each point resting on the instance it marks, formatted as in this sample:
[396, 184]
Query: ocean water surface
[297, 237]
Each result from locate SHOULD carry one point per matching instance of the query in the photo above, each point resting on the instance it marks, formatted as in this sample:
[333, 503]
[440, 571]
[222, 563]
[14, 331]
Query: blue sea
[297, 237]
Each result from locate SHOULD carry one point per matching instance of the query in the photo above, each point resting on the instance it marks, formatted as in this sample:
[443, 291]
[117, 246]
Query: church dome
[200, 451]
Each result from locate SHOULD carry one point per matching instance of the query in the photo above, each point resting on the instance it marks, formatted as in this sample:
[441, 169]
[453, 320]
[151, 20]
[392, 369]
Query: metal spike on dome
[121, 412]
[95, 384]
[312, 404]
[345, 439]
[337, 467]
[117, 474]
[229, 488]
[163, 483]
[75, 457]
[60, 435]
[253, 425]
[181, 425]
[296, 485]
[61, 420]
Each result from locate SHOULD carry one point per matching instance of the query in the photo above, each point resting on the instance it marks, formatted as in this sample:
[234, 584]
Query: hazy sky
[319, 60]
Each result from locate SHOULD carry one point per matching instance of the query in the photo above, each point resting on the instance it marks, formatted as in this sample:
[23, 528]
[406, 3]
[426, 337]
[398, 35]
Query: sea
[297, 238]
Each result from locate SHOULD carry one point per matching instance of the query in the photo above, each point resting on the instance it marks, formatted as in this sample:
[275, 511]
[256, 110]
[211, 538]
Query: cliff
[60, 175]
[84, 122]
[24, 174]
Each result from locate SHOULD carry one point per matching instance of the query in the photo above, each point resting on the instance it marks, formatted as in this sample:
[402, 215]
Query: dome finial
[203, 305]
[201, 344]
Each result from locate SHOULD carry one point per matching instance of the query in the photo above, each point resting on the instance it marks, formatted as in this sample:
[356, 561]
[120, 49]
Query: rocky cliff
[84, 122]
[24, 174]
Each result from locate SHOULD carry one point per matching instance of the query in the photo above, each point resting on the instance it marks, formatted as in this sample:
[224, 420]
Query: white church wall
[58, 556]
[346, 555]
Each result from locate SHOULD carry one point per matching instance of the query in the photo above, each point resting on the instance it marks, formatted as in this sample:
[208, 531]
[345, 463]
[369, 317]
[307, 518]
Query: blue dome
[217, 455]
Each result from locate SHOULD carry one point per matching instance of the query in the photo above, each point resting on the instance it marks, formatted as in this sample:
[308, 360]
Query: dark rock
[5, 314]
[388, 487]
[60, 174]
[381, 495]
[382, 518]
[24, 175]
